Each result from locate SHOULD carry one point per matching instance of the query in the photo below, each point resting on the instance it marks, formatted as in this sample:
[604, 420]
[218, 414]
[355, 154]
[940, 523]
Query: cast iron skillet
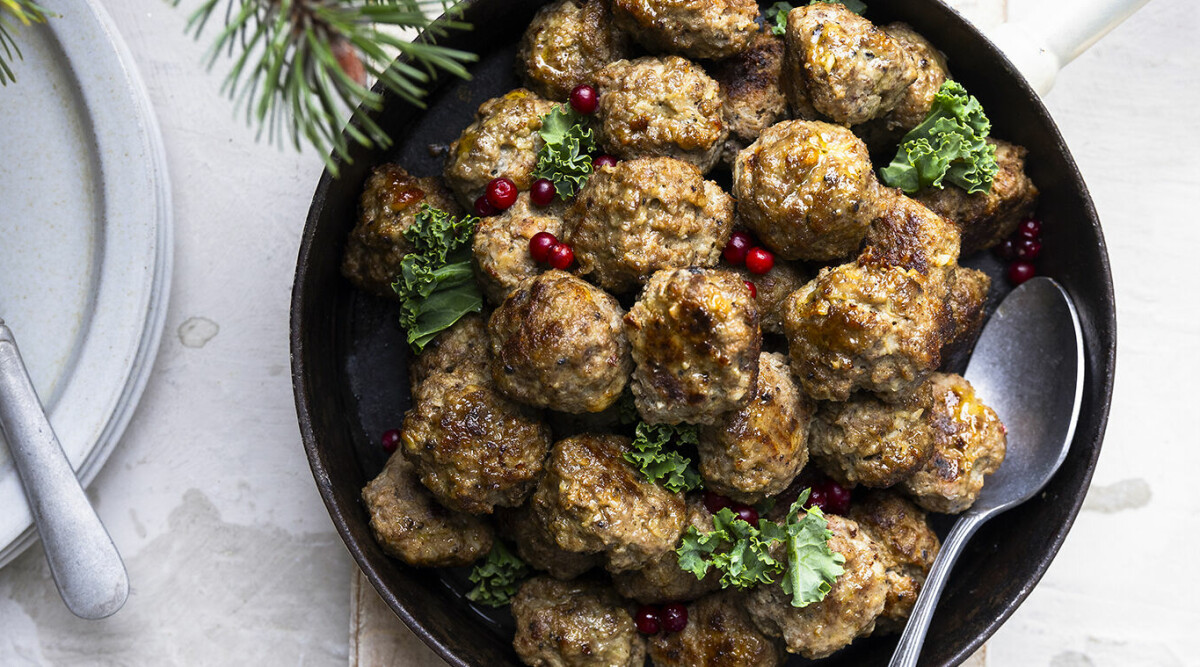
[349, 357]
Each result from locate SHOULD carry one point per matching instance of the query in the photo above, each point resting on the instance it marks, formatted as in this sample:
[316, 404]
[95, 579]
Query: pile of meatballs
[827, 369]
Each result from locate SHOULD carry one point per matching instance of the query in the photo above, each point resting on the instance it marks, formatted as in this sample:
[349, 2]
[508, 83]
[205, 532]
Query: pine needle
[300, 67]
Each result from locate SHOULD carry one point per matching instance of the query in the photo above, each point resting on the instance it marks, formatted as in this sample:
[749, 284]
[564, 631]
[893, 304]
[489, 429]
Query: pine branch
[24, 12]
[300, 67]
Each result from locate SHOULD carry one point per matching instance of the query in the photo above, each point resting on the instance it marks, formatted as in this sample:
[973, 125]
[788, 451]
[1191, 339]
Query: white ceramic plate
[85, 238]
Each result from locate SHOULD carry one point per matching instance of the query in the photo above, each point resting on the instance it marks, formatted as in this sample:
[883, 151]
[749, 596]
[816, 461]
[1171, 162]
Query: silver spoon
[1028, 366]
[83, 560]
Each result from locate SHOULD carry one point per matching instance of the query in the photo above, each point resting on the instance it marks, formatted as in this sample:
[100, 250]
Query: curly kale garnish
[436, 283]
[655, 455]
[565, 158]
[497, 577]
[950, 145]
[742, 552]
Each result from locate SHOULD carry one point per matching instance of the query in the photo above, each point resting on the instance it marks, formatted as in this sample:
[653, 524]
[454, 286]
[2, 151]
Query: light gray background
[233, 559]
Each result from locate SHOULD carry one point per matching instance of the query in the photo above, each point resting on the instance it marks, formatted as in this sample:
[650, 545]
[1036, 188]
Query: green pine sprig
[12, 14]
[300, 67]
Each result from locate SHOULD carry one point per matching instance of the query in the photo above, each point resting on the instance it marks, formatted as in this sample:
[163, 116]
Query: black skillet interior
[349, 357]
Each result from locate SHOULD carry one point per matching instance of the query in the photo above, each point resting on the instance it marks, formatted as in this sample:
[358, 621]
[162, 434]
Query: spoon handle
[908, 650]
[83, 560]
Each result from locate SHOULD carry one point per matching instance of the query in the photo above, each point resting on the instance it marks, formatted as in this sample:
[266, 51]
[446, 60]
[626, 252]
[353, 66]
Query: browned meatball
[696, 342]
[557, 342]
[409, 525]
[462, 347]
[966, 298]
[755, 452]
[662, 580]
[719, 633]
[473, 448]
[910, 236]
[591, 499]
[772, 290]
[848, 611]
[869, 442]
[502, 142]
[501, 245]
[652, 107]
[574, 624]
[710, 29]
[390, 203]
[806, 189]
[753, 97]
[849, 70]
[914, 105]
[987, 218]
[537, 547]
[863, 327]
[908, 546]
[972, 447]
[644, 215]
[565, 42]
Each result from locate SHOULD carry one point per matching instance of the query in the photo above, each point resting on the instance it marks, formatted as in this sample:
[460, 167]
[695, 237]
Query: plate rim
[112, 75]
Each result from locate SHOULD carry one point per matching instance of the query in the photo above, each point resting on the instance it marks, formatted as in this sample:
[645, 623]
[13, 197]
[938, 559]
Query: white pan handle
[1063, 29]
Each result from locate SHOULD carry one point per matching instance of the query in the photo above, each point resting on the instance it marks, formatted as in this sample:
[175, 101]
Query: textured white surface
[232, 556]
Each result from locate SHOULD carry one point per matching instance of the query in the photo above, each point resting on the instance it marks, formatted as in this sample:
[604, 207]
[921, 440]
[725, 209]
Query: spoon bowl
[1029, 367]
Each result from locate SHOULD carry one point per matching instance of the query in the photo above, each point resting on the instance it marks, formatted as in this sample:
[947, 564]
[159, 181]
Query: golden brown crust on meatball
[591, 499]
[869, 442]
[711, 29]
[574, 624]
[917, 99]
[864, 327]
[473, 448]
[750, 88]
[662, 580]
[696, 343]
[850, 70]
[848, 611]
[558, 342]
[409, 525]
[390, 202]
[755, 452]
[719, 633]
[461, 348]
[565, 42]
[987, 218]
[908, 546]
[537, 547]
[910, 236]
[645, 215]
[807, 190]
[972, 446]
[966, 297]
[501, 245]
[502, 142]
[772, 290]
[660, 107]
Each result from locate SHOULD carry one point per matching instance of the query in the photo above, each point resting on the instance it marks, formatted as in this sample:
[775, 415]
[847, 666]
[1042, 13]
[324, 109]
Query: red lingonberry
[501, 193]
[759, 261]
[674, 617]
[540, 245]
[391, 440]
[735, 251]
[584, 99]
[561, 256]
[542, 192]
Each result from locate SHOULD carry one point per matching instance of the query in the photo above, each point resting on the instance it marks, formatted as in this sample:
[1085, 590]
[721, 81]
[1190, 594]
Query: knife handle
[83, 560]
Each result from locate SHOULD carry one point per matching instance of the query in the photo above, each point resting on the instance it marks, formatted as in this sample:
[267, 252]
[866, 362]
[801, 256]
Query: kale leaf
[949, 145]
[565, 158]
[742, 553]
[436, 283]
[497, 577]
[661, 464]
